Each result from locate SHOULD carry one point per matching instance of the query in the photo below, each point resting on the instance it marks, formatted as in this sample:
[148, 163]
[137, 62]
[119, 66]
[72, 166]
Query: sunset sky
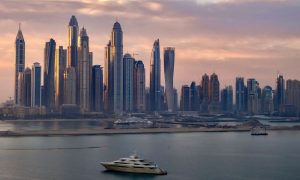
[230, 37]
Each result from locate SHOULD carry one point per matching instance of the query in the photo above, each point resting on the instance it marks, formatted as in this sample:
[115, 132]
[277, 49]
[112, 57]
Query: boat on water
[134, 164]
[259, 131]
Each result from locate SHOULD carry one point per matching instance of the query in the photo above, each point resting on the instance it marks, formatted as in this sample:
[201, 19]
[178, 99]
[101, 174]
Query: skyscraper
[97, 89]
[70, 86]
[49, 74]
[185, 98]
[128, 82]
[60, 67]
[279, 94]
[84, 71]
[169, 60]
[155, 87]
[114, 71]
[175, 99]
[73, 42]
[20, 61]
[240, 94]
[267, 100]
[193, 97]
[214, 93]
[204, 93]
[293, 96]
[27, 88]
[252, 87]
[139, 87]
[227, 99]
[148, 102]
[20, 93]
[109, 80]
[36, 93]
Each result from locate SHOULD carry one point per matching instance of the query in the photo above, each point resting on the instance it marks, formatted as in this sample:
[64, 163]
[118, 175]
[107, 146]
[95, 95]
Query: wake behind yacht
[134, 164]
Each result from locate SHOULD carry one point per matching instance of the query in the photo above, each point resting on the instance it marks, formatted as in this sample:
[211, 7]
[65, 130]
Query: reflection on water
[188, 156]
[49, 125]
[130, 176]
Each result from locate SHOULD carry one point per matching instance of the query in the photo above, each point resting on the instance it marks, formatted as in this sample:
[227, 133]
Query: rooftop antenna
[19, 26]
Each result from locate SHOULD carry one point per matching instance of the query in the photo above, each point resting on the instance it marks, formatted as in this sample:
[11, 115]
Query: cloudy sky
[247, 38]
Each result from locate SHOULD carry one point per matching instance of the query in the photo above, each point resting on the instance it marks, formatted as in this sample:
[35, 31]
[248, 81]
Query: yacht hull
[131, 169]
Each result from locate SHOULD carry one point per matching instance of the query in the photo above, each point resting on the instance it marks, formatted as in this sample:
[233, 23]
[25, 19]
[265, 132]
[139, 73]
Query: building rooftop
[117, 25]
[73, 21]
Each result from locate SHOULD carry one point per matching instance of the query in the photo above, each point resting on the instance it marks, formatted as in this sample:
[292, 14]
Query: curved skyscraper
[155, 89]
[20, 61]
[169, 60]
[114, 71]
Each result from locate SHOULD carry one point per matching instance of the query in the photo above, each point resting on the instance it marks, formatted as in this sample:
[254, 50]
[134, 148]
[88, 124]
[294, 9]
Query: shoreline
[85, 132]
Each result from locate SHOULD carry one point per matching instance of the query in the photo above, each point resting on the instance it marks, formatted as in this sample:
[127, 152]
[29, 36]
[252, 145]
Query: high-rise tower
[109, 79]
[114, 71]
[36, 95]
[97, 89]
[84, 67]
[70, 86]
[214, 93]
[60, 66]
[279, 94]
[204, 93]
[73, 42]
[155, 87]
[27, 88]
[240, 94]
[252, 91]
[139, 87]
[49, 74]
[20, 61]
[169, 60]
[194, 100]
[185, 98]
[128, 82]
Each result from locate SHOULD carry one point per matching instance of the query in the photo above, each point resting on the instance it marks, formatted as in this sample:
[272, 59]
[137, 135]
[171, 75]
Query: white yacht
[134, 164]
[259, 131]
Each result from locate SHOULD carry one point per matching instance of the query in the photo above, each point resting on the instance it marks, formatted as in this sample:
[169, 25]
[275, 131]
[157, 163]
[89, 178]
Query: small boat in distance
[134, 164]
[259, 131]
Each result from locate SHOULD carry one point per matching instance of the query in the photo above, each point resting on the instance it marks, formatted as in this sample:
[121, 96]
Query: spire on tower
[20, 34]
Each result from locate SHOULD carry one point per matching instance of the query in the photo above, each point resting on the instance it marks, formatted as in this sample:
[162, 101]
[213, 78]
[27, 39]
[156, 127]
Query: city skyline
[277, 51]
